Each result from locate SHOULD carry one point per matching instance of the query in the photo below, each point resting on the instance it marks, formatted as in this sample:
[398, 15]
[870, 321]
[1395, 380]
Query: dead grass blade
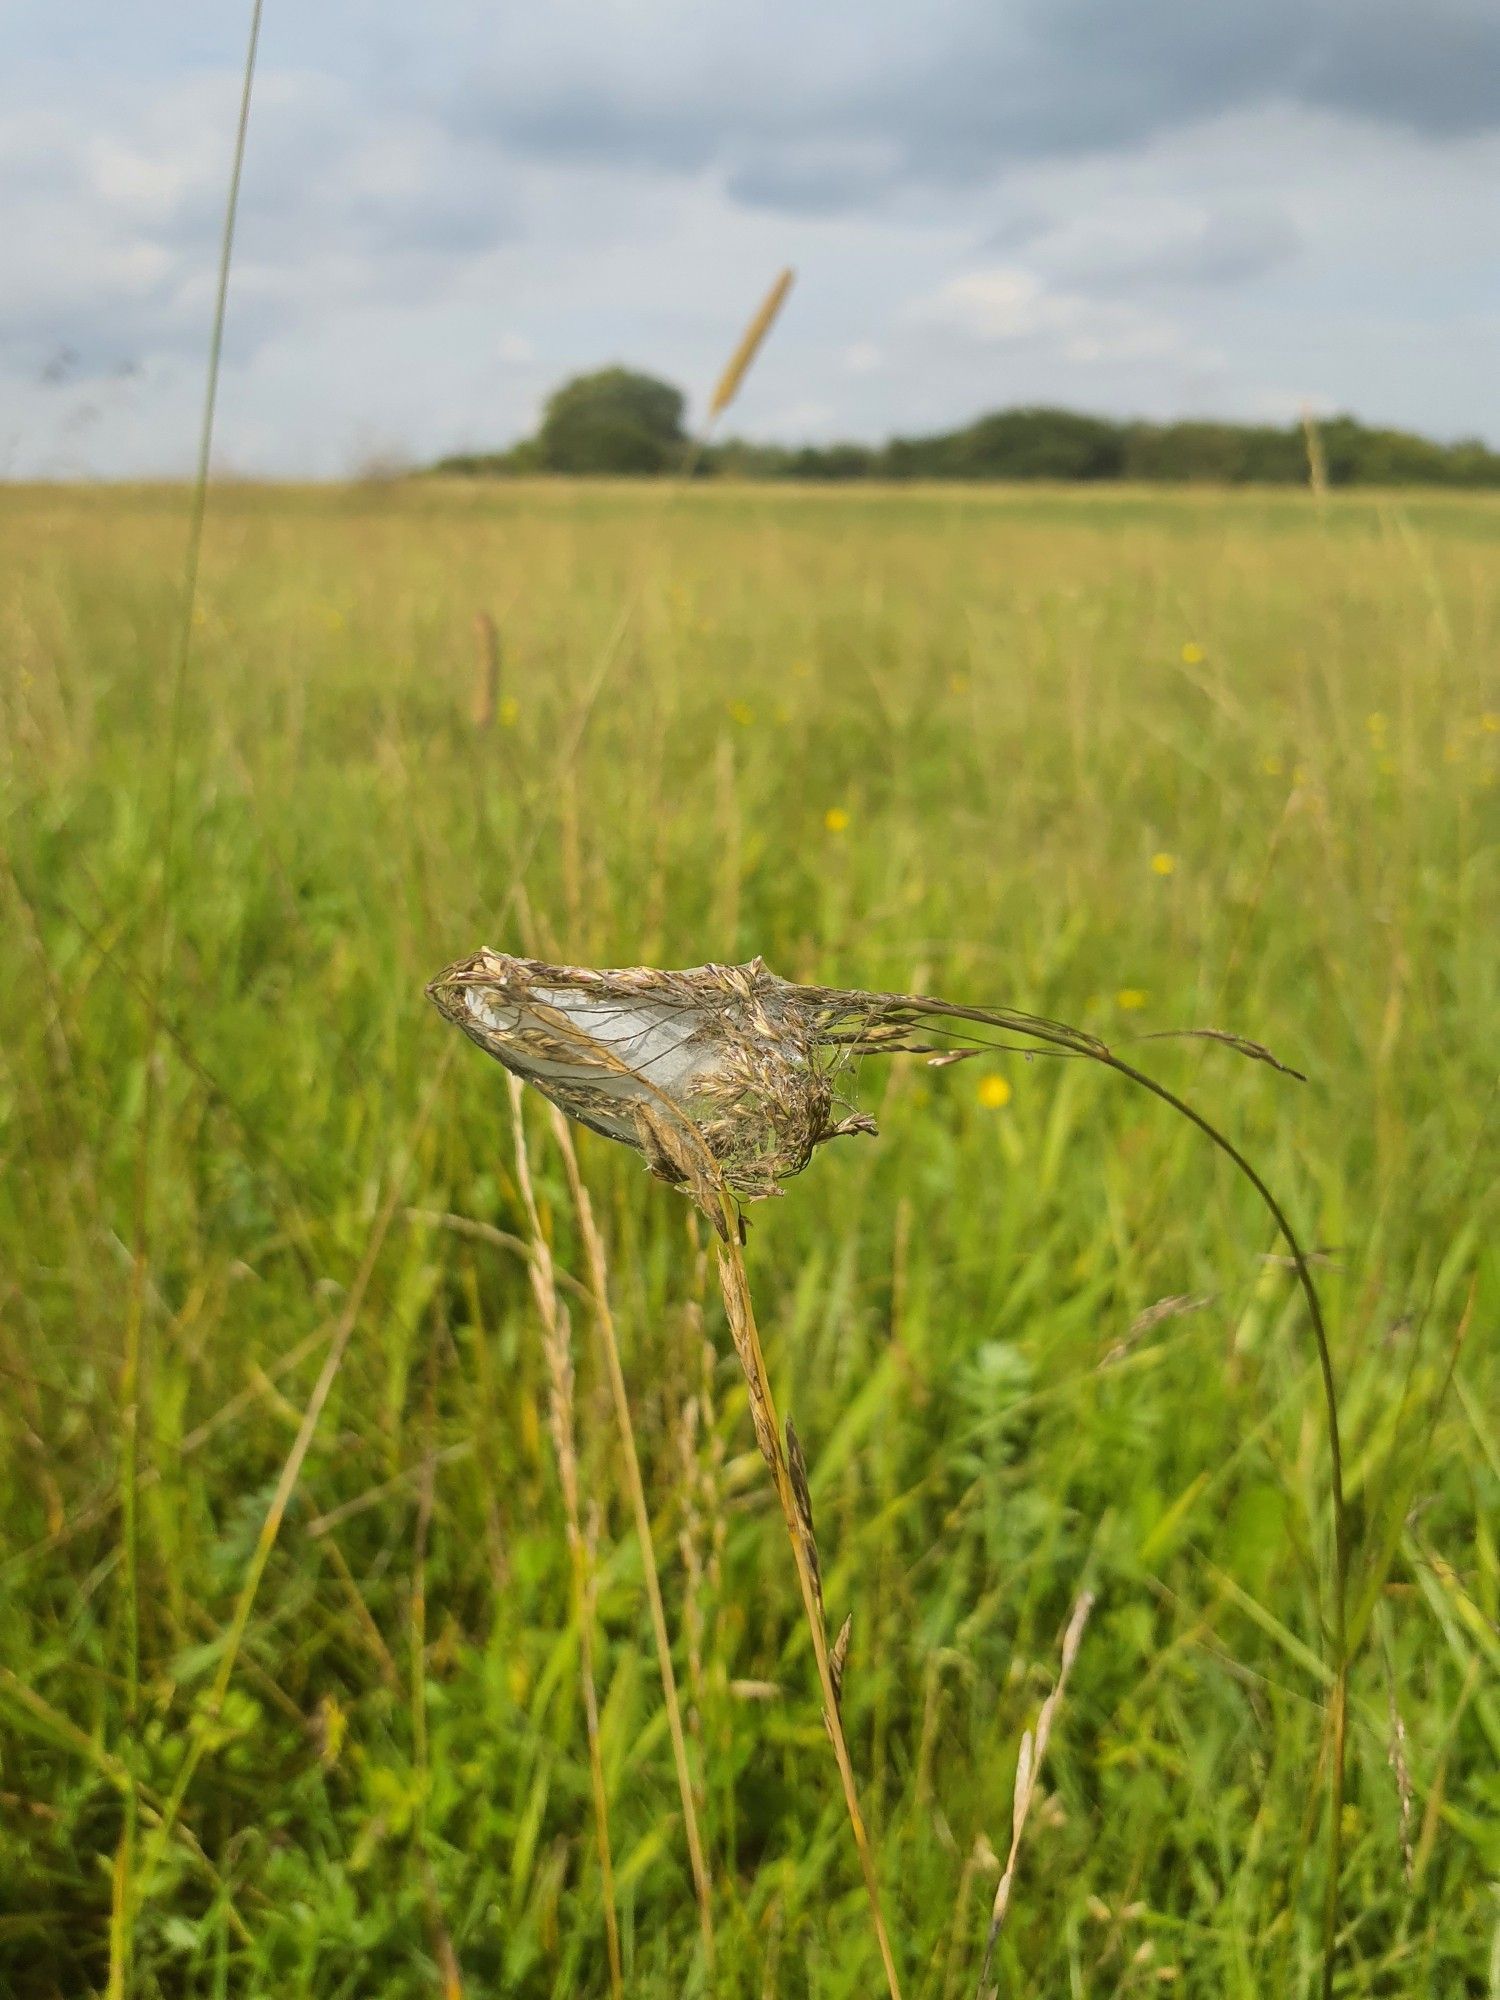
[604, 1320]
[1028, 1772]
[557, 1344]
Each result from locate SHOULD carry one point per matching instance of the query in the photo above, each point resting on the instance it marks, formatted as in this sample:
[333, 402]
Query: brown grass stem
[557, 1341]
[442, 1937]
[604, 1320]
[735, 1284]
[1028, 1773]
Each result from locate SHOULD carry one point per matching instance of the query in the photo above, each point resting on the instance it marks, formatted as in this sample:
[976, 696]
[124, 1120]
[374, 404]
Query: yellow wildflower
[1489, 722]
[510, 711]
[836, 819]
[994, 1092]
[742, 712]
[1164, 864]
[1193, 654]
[1130, 998]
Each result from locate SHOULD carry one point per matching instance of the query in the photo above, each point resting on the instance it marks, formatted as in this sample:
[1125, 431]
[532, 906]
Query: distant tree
[1013, 444]
[1218, 454]
[614, 421]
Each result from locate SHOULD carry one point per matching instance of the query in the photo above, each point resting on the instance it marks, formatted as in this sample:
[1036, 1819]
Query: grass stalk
[609, 1342]
[1338, 1643]
[735, 1285]
[122, 1926]
[558, 1344]
[1028, 1772]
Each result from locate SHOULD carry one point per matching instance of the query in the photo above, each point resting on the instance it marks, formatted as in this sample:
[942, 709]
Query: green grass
[1018, 701]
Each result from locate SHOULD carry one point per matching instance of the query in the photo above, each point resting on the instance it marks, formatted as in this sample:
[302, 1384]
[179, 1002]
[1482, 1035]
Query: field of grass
[1136, 762]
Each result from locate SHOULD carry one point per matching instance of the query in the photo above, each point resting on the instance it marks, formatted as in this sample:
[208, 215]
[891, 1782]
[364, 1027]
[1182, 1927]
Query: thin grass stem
[1338, 1702]
[122, 1926]
[557, 1338]
[735, 1284]
[609, 1341]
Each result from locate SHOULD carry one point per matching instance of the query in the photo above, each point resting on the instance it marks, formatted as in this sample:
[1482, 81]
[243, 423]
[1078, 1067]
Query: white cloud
[862, 357]
[807, 418]
[1158, 238]
[1006, 303]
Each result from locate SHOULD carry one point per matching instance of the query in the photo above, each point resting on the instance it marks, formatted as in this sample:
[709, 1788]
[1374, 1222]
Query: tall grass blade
[122, 1929]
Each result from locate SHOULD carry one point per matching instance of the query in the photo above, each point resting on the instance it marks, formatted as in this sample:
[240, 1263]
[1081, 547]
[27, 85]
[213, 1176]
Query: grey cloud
[1144, 243]
[113, 230]
[803, 109]
[1230, 248]
[812, 179]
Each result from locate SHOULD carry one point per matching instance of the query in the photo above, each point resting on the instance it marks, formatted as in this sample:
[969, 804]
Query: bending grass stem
[1338, 1707]
[735, 1284]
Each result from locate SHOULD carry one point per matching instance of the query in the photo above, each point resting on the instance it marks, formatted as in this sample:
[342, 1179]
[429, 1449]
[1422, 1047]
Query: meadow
[1138, 761]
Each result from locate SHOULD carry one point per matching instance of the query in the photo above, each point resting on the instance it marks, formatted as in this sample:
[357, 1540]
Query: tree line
[623, 424]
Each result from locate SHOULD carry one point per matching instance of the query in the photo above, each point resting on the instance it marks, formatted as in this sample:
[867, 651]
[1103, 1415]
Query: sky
[1163, 208]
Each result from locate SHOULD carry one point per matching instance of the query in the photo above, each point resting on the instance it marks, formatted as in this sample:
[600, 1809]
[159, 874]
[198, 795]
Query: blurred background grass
[1133, 761]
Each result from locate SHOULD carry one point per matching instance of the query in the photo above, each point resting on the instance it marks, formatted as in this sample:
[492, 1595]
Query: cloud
[862, 357]
[804, 109]
[1006, 304]
[112, 221]
[1163, 208]
[1157, 239]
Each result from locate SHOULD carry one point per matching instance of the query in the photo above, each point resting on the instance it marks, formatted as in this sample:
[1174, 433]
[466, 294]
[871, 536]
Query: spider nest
[722, 1076]
[719, 1075]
